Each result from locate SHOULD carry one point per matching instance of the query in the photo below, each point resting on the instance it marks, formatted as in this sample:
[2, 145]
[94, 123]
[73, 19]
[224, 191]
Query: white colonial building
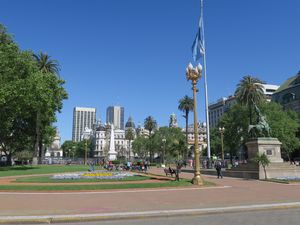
[54, 150]
[102, 137]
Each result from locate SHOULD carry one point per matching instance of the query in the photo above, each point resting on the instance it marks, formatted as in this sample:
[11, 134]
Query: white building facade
[101, 140]
[54, 150]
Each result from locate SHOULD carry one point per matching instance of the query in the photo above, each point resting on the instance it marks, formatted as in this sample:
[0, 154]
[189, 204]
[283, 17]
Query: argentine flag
[198, 48]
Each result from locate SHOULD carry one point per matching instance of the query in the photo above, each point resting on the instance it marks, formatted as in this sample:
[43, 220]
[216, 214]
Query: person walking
[219, 169]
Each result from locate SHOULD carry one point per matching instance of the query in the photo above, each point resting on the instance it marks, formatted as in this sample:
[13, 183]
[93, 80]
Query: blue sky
[134, 53]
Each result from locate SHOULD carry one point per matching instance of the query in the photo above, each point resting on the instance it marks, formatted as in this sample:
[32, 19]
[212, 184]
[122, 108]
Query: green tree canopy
[169, 142]
[284, 126]
[140, 146]
[24, 91]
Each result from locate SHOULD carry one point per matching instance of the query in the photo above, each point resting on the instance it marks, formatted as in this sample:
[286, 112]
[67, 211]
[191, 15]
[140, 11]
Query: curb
[142, 215]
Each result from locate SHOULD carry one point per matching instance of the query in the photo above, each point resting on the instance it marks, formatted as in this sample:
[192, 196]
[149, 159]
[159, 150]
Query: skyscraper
[115, 116]
[82, 118]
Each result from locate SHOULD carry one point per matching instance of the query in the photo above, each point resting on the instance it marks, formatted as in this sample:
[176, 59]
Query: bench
[169, 171]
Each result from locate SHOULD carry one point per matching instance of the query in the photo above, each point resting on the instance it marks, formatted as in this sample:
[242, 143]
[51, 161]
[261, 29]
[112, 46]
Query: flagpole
[205, 88]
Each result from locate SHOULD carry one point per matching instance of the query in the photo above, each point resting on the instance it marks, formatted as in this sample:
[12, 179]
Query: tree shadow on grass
[161, 178]
[17, 168]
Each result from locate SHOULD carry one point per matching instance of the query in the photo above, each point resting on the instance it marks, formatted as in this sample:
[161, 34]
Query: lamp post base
[197, 180]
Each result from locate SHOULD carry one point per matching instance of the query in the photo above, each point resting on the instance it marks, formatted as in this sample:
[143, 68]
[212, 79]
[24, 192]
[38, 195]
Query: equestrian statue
[262, 128]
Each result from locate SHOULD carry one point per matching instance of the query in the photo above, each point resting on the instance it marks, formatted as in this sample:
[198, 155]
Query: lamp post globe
[194, 74]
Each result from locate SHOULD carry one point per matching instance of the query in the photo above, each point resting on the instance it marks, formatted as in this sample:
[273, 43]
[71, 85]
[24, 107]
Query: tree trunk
[8, 159]
[37, 140]
[41, 150]
[265, 172]
[250, 115]
[150, 147]
[186, 131]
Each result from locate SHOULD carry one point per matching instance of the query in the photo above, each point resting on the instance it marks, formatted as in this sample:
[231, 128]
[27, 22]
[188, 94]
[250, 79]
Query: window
[270, 90]
[288, 97]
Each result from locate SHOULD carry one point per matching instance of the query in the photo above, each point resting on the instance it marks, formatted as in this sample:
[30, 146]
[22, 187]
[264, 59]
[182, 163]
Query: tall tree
[186, 104]
[24, 90]
[46, 66]
[170, 143]
[248, 92]
[150, 124]
[140, 146]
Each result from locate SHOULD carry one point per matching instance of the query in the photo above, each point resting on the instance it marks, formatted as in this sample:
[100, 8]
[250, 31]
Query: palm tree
[150, 124]
[45, 65]
[129, 136]
[263, 160]
[249, 92]
[186, 104]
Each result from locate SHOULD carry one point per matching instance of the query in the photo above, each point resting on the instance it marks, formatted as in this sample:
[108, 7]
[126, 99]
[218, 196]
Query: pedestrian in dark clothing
[219, 169]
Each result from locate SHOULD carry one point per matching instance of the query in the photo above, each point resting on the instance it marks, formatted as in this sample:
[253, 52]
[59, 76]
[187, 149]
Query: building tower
[115, 116]
[82, 118]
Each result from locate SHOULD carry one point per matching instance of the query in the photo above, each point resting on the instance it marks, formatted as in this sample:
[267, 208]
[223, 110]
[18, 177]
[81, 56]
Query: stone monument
[112, 154]
[262, 143]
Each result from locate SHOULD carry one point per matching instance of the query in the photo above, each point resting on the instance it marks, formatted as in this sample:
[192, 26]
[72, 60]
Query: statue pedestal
[112, 156]
[269, 146]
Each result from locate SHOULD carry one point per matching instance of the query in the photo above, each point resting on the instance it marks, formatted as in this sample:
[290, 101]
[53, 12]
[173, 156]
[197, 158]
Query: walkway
[228, 192]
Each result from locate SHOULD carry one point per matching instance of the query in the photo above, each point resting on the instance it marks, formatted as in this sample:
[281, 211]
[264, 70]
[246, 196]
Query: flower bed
[93, 175]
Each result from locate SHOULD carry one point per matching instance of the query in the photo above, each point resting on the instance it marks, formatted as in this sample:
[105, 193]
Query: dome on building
[100, 126]
[130, 123]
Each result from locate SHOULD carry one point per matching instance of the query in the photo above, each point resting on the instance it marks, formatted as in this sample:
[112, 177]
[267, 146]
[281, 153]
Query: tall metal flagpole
[205, 87]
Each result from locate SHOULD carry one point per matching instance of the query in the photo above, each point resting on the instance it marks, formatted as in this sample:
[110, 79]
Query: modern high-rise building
[115, 116]
[82, 118]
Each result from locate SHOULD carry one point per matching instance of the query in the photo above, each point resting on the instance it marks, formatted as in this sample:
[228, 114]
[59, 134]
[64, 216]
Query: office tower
[82, 118]
[115, 116]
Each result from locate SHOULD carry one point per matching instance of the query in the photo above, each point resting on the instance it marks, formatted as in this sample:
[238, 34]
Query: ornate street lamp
[222, 129]
[86, 136]
[194, 74]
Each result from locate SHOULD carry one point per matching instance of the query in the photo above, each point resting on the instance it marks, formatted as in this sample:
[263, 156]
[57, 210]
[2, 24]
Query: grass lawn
[48, 179]
[181, 183]
[40, 169]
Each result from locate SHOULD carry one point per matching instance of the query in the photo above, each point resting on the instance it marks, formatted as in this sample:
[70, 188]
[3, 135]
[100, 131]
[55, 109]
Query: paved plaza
[229, 194]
